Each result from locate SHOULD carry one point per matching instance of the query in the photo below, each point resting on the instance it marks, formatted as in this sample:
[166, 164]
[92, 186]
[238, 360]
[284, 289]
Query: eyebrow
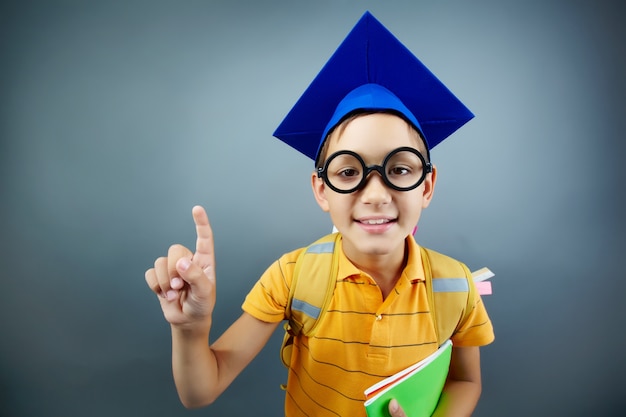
[380, 160]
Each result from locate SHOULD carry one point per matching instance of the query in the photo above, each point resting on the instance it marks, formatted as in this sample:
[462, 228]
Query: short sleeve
[267, 300]
[477, 329]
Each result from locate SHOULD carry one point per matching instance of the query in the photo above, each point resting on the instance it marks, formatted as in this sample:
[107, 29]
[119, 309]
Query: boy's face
[375, 219]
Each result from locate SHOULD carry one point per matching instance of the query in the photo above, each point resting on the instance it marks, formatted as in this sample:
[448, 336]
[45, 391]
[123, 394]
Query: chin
[377, 245]
[373, 250]
[374, 243]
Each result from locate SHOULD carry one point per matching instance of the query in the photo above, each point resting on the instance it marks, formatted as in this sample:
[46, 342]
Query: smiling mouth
[375, 221]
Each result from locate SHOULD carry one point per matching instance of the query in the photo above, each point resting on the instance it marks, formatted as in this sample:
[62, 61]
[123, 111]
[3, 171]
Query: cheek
[412, 204]
[340, 206]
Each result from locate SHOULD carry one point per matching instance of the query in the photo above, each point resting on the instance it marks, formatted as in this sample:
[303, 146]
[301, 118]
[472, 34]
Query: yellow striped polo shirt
[361, 338]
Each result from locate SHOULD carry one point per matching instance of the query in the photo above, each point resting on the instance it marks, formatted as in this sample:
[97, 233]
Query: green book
[416, 388]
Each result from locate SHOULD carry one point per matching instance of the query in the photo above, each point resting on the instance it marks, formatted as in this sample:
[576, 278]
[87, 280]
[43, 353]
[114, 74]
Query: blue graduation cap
[372, 70]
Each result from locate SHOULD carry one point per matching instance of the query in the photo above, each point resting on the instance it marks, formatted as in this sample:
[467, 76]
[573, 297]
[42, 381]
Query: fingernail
[171, 295]
[183, 264]
[176, 283]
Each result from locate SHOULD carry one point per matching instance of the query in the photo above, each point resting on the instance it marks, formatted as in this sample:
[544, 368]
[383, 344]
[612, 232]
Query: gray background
[117, 117]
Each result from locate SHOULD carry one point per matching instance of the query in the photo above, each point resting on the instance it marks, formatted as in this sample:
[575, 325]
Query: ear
[429, 187]
[319, 191]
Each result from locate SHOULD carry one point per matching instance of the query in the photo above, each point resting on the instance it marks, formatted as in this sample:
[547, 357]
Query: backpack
[314, 280]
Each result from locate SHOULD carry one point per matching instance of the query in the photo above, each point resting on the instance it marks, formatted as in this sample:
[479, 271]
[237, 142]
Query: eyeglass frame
[367, 169]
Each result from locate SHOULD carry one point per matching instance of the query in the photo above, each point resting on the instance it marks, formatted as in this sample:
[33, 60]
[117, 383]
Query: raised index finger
[204, 243]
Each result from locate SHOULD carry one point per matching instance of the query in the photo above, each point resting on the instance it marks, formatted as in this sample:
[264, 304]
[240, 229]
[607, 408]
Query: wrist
[191, 331]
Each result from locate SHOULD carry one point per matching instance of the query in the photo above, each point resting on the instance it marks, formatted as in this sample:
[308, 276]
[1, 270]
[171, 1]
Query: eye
[403, 165]
[399, 170]
[348, 172]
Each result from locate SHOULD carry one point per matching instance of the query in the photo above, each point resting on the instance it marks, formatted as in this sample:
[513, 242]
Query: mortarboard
[372, 70]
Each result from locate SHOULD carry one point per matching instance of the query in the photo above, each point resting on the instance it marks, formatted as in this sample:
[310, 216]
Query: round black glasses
[403, 169]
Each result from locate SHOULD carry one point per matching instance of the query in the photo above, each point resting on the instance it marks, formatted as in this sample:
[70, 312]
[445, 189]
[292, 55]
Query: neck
[385, 269]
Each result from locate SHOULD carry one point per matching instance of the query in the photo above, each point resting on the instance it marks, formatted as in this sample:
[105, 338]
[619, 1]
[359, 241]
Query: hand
[185, 282]
[395, 410]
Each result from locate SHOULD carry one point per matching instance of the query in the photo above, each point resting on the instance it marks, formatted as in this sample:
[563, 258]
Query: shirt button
[379, 317]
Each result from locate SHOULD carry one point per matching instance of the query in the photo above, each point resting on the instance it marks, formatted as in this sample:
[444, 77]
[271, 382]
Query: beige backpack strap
[450, 292]
[312, 287]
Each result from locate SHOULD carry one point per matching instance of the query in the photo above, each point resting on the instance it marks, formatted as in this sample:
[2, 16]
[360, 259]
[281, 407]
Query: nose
[375, 190]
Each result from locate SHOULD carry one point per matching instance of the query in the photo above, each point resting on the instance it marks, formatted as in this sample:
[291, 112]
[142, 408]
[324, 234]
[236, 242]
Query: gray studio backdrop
[117, 117]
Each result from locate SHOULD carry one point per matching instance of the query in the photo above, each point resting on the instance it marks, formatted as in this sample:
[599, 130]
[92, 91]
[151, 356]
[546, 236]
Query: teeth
[376, 221]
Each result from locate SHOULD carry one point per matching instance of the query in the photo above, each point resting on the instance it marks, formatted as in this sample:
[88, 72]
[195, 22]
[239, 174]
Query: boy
[369, 120]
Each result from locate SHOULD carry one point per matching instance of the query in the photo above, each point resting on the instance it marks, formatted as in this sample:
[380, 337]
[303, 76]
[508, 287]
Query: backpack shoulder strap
[450, 292]
[312, 287]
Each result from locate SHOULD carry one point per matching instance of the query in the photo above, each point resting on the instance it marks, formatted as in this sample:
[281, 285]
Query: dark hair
[341, 125]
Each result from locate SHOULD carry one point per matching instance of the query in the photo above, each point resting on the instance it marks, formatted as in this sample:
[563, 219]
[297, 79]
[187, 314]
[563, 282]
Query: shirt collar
[413, 271]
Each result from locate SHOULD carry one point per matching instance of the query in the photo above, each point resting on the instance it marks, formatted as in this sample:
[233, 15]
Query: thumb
[174, 255]
[395, 410]
[193, 274]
